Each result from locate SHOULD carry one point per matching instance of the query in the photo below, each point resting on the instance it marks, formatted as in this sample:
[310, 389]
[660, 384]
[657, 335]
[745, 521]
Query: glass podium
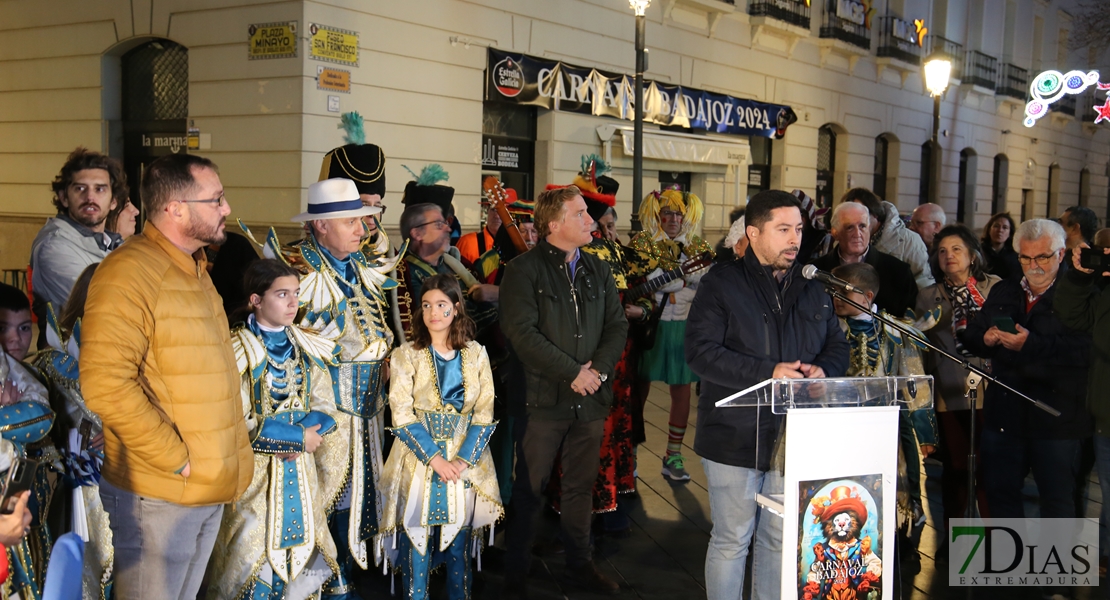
[838, 454]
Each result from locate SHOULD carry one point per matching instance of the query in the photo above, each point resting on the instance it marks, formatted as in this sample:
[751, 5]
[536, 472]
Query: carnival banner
[556, 85]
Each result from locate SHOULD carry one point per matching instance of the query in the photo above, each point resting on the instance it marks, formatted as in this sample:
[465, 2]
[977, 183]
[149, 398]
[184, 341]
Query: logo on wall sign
[508, 78]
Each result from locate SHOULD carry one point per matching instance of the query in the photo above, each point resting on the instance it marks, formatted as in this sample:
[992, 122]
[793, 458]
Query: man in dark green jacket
[561, 312]
[1083, 303]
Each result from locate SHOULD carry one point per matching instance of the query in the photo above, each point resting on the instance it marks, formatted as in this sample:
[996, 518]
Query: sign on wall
[331, 44]
[333, 80]
[556, 85]
[506, 153]
[272, 40]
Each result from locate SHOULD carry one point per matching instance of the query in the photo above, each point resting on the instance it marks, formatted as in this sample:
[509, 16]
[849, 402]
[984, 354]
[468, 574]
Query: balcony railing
[1013, 81]
[794, 12]
[1064, 105]
[1086, 106]
[936, 44]
[980, 70]
[898, 39]
[843, 22]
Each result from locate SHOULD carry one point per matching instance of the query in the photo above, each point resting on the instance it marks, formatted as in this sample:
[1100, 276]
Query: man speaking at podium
[754, 319]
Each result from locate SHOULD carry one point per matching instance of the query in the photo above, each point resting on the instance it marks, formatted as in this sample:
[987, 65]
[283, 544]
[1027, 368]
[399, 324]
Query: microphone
[812, 272]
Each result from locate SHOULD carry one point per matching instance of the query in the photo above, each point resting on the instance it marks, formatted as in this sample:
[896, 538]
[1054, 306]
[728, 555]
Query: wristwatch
[603, 377]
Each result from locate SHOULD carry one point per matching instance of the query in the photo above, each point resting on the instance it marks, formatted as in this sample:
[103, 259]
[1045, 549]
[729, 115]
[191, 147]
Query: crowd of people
[276, 426]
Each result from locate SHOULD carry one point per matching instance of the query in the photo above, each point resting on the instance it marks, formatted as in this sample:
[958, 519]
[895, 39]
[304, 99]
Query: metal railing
[836, 27]
[794, 12]
[936, 44]
[1064, 105]
[981, 70]
[898, 39]
[1086, 107]
[1013, 81]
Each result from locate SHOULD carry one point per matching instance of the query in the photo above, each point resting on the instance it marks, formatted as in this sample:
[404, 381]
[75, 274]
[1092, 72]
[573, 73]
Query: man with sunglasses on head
[157, 366]
[1032, 351]
[85, 192]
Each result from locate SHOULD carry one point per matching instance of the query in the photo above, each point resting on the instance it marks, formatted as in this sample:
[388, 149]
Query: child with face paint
[439, 488]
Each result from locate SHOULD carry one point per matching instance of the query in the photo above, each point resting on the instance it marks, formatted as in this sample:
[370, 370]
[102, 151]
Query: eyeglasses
[221, 201]
[438, 224]
[1042, 260]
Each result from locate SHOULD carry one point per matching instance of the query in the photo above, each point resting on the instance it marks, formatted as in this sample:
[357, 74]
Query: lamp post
[938, 70]
[640, 8]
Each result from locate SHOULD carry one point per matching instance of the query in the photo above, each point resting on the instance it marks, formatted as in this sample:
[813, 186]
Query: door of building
[155, 107]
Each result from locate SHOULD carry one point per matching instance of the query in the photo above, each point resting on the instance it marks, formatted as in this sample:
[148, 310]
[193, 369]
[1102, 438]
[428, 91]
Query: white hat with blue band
[334, 199]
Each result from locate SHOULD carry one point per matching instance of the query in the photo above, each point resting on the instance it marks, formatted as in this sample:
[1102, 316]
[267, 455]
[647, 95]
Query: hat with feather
[358, 161]
[425, 188]
[598, 190]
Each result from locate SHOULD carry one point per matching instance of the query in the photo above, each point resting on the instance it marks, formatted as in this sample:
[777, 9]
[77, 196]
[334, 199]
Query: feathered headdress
[351, 124]
[358, 161]
[425, 188]
[599, 191]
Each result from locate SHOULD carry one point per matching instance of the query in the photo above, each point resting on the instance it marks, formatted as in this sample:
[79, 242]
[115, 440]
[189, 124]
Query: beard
[781, 262]
[91, 221]
[209, 234]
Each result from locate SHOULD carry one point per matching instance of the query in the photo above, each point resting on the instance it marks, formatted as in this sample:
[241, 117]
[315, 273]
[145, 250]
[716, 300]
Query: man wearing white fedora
[343, 294]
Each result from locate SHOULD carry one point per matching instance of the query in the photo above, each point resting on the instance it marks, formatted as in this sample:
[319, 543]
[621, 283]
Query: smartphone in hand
[1006, 324]
[20, 476]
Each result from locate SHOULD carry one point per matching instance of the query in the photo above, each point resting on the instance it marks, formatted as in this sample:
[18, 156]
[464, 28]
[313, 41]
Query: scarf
[966, 302]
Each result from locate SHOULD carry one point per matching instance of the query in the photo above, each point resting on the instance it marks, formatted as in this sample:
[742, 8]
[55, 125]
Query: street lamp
[640, 8]
[938, 70]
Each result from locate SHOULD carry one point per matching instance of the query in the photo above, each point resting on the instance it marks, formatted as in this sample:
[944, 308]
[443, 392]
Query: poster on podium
[839, 503]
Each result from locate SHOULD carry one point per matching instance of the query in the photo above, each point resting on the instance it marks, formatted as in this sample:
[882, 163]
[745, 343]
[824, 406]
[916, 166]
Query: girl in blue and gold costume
[79, 436]
[439, 488]
[274, 541]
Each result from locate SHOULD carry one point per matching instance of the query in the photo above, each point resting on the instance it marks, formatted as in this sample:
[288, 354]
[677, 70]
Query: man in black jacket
[1045, 360]
[851, 228]
[561, 312]
[754, 319]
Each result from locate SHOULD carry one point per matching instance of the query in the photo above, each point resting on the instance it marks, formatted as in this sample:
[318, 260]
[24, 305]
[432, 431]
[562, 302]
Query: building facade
[259, 87]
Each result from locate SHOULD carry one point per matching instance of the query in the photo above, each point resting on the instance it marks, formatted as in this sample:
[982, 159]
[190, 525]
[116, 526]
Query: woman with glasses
[998, 246]
[962, 287]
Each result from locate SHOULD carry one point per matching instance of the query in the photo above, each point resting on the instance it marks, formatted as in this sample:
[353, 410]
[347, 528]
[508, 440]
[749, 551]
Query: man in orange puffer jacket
[157, 365]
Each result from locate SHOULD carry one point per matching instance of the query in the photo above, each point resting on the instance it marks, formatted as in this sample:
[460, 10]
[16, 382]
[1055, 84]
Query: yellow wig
[684, 202]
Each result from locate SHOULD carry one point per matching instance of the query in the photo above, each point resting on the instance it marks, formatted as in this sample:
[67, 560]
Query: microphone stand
[912, 333]
[975, 375]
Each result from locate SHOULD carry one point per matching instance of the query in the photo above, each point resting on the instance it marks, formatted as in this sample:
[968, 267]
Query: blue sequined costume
[274, 542]
[442, 406]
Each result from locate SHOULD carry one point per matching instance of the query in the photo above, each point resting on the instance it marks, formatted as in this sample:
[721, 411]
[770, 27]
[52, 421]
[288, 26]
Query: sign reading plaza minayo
[332, 45]
[272, 40]
[556, 85]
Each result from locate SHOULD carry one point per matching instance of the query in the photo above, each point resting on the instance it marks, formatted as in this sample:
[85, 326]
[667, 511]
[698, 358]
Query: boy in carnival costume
[27, 418]
[274, 541]
[82, 437]
[439, 487]
[344, 296]
[879, 350]
[669, 219]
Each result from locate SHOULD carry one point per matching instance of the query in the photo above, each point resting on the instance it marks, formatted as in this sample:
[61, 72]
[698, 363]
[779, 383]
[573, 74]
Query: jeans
[161, 548]
[539, 443]
[735, 517]
[1007, 459]
[1102, 463]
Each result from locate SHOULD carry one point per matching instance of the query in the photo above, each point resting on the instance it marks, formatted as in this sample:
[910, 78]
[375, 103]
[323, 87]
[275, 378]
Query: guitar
[495, 193]
[693, 265]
